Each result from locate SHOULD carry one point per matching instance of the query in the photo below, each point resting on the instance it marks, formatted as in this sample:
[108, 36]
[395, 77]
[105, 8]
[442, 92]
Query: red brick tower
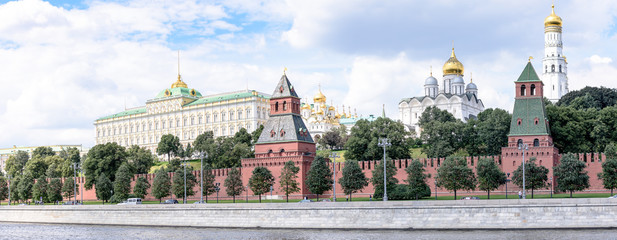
[284, 138]
[529, 125]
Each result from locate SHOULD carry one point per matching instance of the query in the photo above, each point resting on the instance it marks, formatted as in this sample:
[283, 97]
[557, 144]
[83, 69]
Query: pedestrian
[370, 197]
[520, 194]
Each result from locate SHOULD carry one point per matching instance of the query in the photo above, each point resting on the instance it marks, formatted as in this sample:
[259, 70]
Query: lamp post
[184, 164]
[247, 193]
[384, 142]
[217, 188]
[523, 147]
[81, 186]
[201, 179]
[75, 165]
[551, 183]
[9, 175]
[507, 180]
[435, 189]
[271, 188]
[334, 156]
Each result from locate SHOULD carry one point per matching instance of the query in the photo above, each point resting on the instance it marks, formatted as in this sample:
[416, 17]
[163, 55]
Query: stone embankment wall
[480, 214]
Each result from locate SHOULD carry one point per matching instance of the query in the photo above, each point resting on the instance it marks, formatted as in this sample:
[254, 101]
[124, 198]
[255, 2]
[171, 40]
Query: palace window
[248, 113]
[216, 116]
[200, 119]
[559, 68]
[184, 123]
[239, 114]
[208, 118]
[553, 68]
[177, 122]
[163, 124]
[223, 116]
[231, 115]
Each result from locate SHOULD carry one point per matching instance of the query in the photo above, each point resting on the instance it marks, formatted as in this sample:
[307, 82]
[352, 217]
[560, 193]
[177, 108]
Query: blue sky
[66, 63]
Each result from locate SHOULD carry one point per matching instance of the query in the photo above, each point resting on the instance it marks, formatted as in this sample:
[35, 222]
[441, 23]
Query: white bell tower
[555, 65]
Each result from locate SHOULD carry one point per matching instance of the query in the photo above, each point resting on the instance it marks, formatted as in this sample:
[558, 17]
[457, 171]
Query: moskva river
[51, 231]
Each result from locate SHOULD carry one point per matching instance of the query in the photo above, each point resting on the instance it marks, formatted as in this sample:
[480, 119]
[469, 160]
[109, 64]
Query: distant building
[185, 113]
[6, 153]
[555, 74]
[452, 96]
[320, 117]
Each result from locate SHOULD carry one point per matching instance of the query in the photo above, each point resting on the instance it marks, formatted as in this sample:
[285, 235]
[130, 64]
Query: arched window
[553, 68]
[545, 68]
[276, 106]
[533, 89]
[559, 68]
[523, 90]
[519, 142]
[284, 105]
[536, 142]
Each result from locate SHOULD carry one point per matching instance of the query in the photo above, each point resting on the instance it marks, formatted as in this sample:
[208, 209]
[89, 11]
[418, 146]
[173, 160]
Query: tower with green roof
[529, 125]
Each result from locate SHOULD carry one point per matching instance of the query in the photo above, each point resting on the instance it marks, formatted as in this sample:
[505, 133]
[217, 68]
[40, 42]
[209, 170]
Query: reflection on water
[52, 231]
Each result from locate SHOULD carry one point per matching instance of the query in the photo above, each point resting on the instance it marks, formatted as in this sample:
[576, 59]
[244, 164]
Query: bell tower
[555, 65]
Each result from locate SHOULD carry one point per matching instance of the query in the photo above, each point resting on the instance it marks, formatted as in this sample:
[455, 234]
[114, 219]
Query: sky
[64, 64]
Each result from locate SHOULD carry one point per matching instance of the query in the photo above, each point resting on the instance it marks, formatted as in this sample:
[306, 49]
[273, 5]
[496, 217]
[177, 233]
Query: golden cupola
[553, 19]
[179, 83]
[453, 66]
[319, 97]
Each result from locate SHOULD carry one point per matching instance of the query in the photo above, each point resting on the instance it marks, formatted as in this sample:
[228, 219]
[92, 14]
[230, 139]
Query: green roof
[178, 91]
[528, 110]
[529, 74]
[125, 113]
[225, 97]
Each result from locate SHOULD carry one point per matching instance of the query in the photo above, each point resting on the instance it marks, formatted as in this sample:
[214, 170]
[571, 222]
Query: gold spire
[319, 97]
[470, 77]
[453, 66]
[431, 70]
[285, 71]
[553, 19]
[179, 82]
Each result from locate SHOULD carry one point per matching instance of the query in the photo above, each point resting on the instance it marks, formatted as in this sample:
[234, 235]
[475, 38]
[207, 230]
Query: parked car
[470, 198]
[170, 201]
[70, 203]
[305, 201]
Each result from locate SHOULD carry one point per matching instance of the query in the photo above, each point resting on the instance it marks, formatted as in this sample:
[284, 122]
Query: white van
[131, 201]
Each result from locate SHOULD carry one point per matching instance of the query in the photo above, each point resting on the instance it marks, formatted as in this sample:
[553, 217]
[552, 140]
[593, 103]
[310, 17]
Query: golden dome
[320, 112]
[337, 115]
[306, 106]
[319, 97]
[179, 83]
[453, 66]
[553, 19]
[331, 108]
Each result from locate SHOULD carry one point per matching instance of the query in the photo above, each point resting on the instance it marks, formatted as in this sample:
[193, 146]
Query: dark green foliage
[14, 188]
[54, 190]
[233, 183]
[122, 183]
[43, 152]
[353, 179]
[405, 192]
[141, 187]
[103, 158]
[454, 175]
[104, 187]
[62, 164]
[362, 143]
[68, 188]
[535, 175]
[255, 134]
[173, 165]
[16, 163]
[205, 143]
[161, 186]
[570, 174]
[242, 136]
[36, 167]
[432, 114]
[319, 177]
[332, 139]
[416, 180]
[490, 177]
[590, 97]
[224, 152]
[208, 182]
[141, 159]
[4, 189]
[261, 180]
[39, 190]
[169, 145]
[287, 180]
[609, 168]
[25, 187]
[442, 138]
[493, 127]
[377, 179]
[177, 186]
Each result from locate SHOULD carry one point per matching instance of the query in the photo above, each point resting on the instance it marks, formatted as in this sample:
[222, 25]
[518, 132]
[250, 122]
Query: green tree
[535, 176]
[570, 174]
[377, 179]
[208, 182]
[331, 139]
[58, 167]
[54, 190]
[205, 143]
[242, 136]
[104, 187]
[319, 177]
[177, 186]
[432, 114]
[141, 187]
[16, 163]
[68, 189]
[416, 178]
[39, 190]
[227, 154]
[103, 158]
[287, 180]
[353, 179]
[490, 177]
[14, 188]
[442, 138]
[161, 186]
[609, 168]
[169, 145]
[454, 175]
[590, 97]
[362, 143]
[261, 180]
[25, 187]
[141, 159]
[36, 167]
[43, 152]
[493, 128]
[255, 134]
[122, 183]
[4, 189]
[233, 183]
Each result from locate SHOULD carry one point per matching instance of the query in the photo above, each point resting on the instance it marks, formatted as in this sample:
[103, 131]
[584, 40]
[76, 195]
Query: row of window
[552, 68]
[185, 136]
[524, 90]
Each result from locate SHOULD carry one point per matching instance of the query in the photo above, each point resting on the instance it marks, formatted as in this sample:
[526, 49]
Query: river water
[52, 231]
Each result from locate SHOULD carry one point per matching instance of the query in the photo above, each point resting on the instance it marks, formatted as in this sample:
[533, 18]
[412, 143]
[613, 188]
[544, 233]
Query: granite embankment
[471, 214]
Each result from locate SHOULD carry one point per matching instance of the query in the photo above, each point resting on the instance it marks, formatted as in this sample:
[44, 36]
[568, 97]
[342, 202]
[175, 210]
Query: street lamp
[507, 180]
[247, 193]
[523, 147]
[184, 164]
[271, 188]
[384, 142]
[551, 183]
[334, 156]
[435, 189]
[217, 188]
[9, 175]
[75, 165]
[81, 186]
[201, 179]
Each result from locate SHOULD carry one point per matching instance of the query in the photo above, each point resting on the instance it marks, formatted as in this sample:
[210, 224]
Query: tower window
[545, 68]
[276, 106]
[284, 105]
[519, 143]
[533, 89]
[559, 68]
[536, 142]
[523, 90]
[553, 68]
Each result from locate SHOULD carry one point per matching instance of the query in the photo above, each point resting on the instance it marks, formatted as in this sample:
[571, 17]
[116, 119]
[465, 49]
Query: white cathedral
[453, 96]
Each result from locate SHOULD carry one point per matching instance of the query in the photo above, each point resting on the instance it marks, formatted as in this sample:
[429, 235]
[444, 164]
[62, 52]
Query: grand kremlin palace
[185, 113]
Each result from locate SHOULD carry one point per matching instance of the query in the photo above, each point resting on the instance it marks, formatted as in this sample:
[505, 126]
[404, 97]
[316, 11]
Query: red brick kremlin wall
[592, 160]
